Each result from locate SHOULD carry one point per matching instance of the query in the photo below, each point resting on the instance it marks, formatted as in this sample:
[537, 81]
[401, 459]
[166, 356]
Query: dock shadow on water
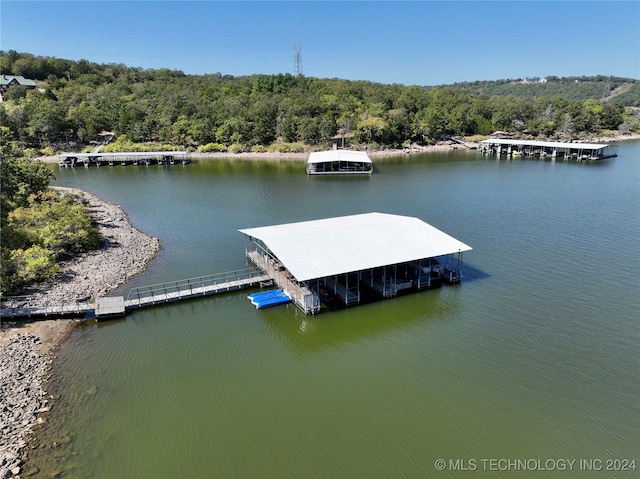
[340, 327]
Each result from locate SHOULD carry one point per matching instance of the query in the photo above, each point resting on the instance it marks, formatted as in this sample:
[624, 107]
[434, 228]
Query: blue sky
[414, 42]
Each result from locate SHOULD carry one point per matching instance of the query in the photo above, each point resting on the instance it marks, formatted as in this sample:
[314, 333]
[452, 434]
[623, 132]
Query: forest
[76, 101]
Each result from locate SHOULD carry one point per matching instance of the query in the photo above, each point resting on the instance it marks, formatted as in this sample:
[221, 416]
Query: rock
[31, 472]
[26, 359]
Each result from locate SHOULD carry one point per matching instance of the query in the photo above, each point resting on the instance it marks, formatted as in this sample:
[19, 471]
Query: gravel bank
[28, 348]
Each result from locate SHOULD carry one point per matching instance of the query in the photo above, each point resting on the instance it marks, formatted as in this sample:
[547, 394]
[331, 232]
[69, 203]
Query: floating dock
[550, 149]
[328, 260]
[71, 160]
[339, 162]
[335, 258]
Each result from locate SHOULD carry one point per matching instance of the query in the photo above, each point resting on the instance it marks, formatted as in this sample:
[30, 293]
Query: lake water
[533, 358]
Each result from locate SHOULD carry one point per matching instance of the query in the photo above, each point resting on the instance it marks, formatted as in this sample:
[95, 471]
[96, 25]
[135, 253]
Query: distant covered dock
[336, 162]
[552, 149]
[124, 158]
[340, 259]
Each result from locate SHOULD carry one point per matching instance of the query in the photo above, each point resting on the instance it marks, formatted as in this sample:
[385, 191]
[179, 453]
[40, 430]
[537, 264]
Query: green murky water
[534, 356]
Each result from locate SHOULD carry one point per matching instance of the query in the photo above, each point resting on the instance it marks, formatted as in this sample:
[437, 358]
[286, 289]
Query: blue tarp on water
[269, 298]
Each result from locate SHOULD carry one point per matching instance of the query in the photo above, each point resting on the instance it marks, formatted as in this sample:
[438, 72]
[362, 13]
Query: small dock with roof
[550, 149]
[339, 162]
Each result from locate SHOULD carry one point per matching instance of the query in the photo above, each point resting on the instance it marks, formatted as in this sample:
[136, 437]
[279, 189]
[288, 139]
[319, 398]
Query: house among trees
[8, 81]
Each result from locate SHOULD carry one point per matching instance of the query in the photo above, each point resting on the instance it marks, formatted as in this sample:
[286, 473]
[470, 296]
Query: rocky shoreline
[27, 348]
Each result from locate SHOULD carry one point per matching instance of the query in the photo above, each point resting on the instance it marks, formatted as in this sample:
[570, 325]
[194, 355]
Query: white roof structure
[333, 246]
[338, 155]
[143, 154]
[548, 144]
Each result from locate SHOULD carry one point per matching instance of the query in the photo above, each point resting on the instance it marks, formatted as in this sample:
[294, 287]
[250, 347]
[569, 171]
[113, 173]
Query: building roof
[333, 246]
[338, 155]
[6, 80]
[547, 144]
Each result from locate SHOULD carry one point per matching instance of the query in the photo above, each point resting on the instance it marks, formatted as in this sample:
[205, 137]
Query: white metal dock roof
[338, 155]
[333, 246]
[548, 144]
[122, 154]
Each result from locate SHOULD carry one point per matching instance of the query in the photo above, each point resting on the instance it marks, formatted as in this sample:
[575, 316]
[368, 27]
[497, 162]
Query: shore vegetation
[40, 226]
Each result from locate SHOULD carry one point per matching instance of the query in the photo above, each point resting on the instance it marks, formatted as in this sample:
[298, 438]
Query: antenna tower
[607, 90]
[297, 63]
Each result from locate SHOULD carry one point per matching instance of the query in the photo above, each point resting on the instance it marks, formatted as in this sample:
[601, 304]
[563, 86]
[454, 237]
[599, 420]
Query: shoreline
[446, 145]
[28, 347]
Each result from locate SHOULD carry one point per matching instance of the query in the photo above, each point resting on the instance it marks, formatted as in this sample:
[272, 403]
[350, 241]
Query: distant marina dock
[71, 160]
[550, 149]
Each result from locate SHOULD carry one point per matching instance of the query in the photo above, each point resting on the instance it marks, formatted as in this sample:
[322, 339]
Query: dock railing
[301, 295]
[185, 288]
[43, 305]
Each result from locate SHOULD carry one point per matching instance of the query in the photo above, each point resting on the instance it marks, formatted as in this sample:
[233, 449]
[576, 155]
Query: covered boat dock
[339, 162]
[551, 149]
[336, 260]
[124, 158]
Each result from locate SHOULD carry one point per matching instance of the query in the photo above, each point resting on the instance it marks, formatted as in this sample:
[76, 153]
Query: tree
[567, 127]
[21, 178]
[15, 92]
[611, 116]
[37, 235]
[370, 129]
[46, 120]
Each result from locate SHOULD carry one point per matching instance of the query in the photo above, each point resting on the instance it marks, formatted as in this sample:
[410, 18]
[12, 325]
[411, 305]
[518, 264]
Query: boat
[332, 162]
[273, 297]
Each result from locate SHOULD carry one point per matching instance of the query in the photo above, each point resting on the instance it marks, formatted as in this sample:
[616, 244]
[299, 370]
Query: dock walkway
[189, 288]
[110, 306]
[302, 296]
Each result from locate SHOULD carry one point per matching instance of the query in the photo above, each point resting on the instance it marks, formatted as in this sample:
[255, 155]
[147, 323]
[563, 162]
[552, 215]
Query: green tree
[46, 120]
[611, 116]
[15, 92]
[32, 264]
[21, 178]
[370, 129]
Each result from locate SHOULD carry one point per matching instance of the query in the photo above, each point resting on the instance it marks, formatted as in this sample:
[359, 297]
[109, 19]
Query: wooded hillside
[625, 91]
[81, 99]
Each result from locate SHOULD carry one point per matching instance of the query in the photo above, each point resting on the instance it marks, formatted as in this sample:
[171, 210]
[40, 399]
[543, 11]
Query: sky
[424, 43]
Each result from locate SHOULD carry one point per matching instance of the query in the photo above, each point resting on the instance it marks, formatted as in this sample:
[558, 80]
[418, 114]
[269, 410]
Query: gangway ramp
[194, 287]
[113, 306]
